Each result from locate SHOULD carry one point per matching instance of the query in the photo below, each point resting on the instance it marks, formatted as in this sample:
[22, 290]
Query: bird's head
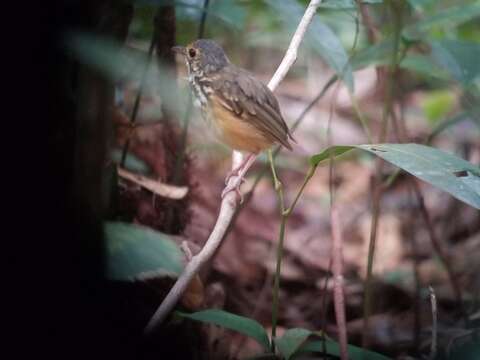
[203, 56]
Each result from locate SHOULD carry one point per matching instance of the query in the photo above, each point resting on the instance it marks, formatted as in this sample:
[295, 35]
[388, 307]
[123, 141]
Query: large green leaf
[345, 4]
[459, 58]
[243, 325]
[443, 170]
[378, 54]
[423, 65]
[291, 341]
[133, 250]
[319, 36]
[332, 348]
[441, 126]
[446, 18]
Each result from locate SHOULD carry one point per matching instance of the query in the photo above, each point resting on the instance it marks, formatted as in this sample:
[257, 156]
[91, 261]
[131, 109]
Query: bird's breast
[201, 89]
[235, 130]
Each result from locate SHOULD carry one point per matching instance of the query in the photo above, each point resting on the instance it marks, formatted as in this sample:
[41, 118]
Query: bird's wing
[241, 93]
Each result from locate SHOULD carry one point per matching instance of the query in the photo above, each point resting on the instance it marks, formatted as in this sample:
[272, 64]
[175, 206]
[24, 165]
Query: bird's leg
[237, 170]
[238, 173]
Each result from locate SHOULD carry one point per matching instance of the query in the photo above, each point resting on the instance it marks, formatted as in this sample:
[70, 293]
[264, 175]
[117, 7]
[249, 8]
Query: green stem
[361, 117]
[307, 178]
[177, 170]
[276, 285]
[136, 105]
[285, 214]
[387, 109]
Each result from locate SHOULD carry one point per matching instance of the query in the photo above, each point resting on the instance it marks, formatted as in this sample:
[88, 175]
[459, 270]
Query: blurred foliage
[134, 250]
[292, 343]
[439, 48]
[123, 64]
[437, 104]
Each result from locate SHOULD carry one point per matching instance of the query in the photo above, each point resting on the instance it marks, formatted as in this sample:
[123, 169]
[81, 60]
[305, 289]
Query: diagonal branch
[229, 202]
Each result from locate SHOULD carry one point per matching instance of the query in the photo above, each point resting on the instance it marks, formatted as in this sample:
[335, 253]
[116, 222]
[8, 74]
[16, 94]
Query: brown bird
[243, 112]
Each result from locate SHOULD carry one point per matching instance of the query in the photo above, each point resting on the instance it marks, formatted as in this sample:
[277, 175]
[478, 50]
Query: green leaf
[332, 348]
[228, 12]
[458, 58]
[437, 104]
[423, 65]
[441, 126]
[345, 4]
[291, 341]
[133, 250]
[319, 36]
[466, 350]
[378, 54]
[243, 325]
[443, 170]
[231, 12]
[132, 162]
[447, 18]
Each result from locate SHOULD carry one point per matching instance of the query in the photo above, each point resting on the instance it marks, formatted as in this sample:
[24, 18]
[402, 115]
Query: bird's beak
[179, 49]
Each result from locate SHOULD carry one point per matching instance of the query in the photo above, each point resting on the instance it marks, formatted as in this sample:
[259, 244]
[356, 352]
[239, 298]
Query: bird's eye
[192, 53]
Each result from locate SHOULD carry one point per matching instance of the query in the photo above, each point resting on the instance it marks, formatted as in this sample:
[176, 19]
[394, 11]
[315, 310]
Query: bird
[242, 111]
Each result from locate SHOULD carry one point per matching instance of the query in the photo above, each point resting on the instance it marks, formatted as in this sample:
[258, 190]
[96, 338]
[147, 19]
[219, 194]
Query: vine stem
[177, 172]
[136, 104]
[377, 191]
[229, 202]
[285, 214]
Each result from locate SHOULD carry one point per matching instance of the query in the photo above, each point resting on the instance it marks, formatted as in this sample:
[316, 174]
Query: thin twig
[378, 187]
[372, 32]
[417, 315]
[281, 237]
[203, 20]
[291, 54]
[136, 105]
[442, 255]
[177, 170]
[323, 315]
[433, 302]
[229, 202]
[285, 214]
[156, 187]
[338, 283]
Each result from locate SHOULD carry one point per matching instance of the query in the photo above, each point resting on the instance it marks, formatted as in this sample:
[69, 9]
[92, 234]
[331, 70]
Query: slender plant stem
[307, 178]
[276, 285]
[276, 183]
[362, 118]
[203, 19]
[433, 302]
[136, 105]
[442, 254]
[177, 170]
[356, 107]
[396, 14]
[338, 282]
[285, 214]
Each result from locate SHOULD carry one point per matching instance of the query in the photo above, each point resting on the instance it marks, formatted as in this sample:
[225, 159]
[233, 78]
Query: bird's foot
[232, 173]
[234, 185]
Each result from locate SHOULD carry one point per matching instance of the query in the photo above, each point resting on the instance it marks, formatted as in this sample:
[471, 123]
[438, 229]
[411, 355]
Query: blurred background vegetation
[411, 64]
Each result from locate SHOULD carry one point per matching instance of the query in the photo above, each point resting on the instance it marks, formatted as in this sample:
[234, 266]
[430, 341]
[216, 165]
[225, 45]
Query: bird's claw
[234, 186]
[232, 173]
